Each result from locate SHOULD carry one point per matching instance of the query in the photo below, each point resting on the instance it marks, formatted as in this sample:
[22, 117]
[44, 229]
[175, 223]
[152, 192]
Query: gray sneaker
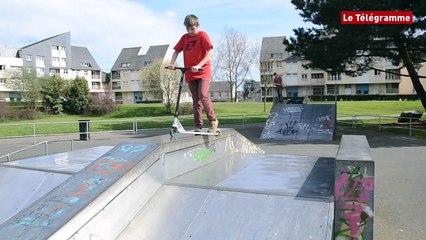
[213, 126]
[198, 129]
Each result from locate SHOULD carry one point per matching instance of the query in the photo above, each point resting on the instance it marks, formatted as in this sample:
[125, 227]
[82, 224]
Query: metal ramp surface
[25, 181]
[242, 196]
[307, 122]
[192, 187]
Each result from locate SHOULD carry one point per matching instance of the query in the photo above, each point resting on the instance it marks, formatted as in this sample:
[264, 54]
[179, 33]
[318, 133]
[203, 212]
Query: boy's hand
[171, 67]
[196, 68]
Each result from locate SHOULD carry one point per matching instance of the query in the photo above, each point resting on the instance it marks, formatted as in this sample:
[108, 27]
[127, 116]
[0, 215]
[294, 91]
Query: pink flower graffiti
[352, 193]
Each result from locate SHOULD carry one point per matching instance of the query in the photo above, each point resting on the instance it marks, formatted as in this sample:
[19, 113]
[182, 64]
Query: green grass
[155, 116]
[377, 108]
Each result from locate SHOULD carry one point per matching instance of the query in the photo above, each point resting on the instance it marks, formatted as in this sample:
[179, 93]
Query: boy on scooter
[197, 52]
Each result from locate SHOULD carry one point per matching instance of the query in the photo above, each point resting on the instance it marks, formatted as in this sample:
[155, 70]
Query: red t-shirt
[194, 50]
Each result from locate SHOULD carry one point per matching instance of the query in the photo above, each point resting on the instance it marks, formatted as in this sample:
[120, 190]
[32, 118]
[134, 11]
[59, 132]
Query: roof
[219, 86]
[272, 45]
[32, 44]
[136, 60]
[7, 52]
[82, 55]
[215, 86]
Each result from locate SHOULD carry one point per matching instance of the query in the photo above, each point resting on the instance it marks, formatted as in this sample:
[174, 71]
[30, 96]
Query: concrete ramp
[305, 122]
[192, 187]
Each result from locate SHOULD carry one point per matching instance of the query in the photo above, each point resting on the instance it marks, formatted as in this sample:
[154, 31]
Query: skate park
[199, 187]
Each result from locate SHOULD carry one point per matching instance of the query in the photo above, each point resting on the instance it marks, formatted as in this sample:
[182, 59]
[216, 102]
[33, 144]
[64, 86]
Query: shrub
[185, 109]
[100, 106]
[21, 114]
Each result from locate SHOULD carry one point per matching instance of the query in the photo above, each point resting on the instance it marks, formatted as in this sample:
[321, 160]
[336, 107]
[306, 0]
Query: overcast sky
[107, 26]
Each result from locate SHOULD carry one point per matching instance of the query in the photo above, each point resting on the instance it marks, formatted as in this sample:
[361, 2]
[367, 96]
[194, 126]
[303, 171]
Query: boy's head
[191, 24]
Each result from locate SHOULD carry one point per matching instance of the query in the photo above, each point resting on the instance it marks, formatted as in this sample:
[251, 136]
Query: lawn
[154, 116]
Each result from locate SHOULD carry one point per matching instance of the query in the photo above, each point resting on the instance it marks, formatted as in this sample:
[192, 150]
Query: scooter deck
[217, 133]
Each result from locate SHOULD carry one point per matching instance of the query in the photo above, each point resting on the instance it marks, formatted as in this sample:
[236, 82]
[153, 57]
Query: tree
[337, 47]
[77, 96]
[26, 82]
[160, 83]
[169, 85]
[248, 88]
[235, 57]
[53, 90]
[150, 83]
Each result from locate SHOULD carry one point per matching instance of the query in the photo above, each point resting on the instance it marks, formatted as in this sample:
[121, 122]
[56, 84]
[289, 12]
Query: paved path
[400, 167]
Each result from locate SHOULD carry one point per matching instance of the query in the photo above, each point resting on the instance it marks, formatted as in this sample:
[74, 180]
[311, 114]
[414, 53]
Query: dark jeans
[279, 94]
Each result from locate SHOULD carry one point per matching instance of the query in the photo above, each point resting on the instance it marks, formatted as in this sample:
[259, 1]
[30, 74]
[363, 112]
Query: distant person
[278, 84]
[197, 52]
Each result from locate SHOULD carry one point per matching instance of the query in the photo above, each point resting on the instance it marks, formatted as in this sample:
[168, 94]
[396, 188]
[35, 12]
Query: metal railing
[46, 149]
[43, 129]
[382, 122]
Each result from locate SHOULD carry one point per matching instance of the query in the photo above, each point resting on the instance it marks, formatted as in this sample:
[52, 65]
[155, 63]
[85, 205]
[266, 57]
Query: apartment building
[52, 56]
[126, 82]
[301, 82]
[8, 62]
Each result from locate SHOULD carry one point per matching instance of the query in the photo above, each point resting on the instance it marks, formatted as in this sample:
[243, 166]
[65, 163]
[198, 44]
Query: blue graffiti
[132, 148]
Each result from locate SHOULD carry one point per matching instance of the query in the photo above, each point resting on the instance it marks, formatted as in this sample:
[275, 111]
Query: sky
[105, 27]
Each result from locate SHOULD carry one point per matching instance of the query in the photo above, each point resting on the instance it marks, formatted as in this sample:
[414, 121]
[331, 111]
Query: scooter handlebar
[184, 69]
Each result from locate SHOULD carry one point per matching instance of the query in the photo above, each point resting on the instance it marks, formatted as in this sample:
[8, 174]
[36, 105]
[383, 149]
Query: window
[28, 57]
[279, 64]
[85, 64]
[377, 72]
[334, 77]
[276, 55]
[125, 65]
[304, 76]
[63, 48]
[96, 85]
[40, 58]
[55, 59]
[2, 67]
[40, 71]
[348, 86]
[2, 80]
[317, 75]
[55, 47]
[147, 63]
[116, 85]
[332, 90]
[392, 74]
[85, 73]
[318, 91]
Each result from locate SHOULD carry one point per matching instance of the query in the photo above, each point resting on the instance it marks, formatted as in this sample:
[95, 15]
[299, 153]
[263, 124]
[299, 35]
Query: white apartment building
[301, 82]
[51, 56]
[8, 61]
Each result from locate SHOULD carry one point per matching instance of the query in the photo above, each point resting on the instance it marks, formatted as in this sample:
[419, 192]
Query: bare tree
[160, 84]
[235, 56]
[150, 81]
[169, 85]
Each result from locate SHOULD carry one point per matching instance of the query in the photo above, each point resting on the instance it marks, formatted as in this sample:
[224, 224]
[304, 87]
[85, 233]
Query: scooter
[177, 126]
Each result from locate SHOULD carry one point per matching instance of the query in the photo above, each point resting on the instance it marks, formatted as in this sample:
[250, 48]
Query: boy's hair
[191, 20]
